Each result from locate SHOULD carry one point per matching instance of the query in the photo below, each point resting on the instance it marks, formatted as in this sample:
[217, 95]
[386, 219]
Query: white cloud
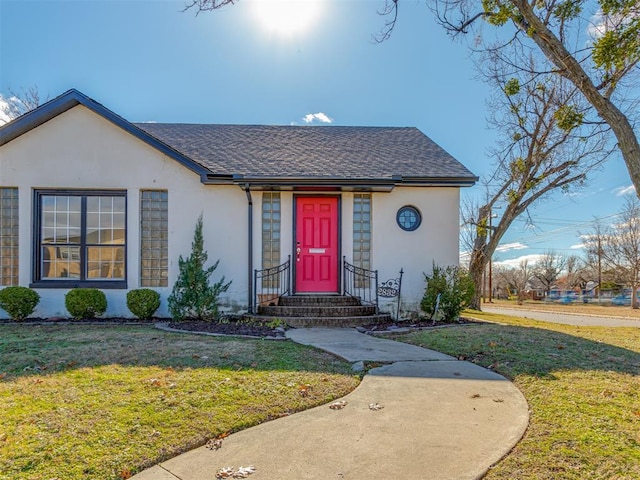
[601, 23]
[515, 262]
[598, 26]
[320, 117]
[578, 246]
[510, 246]
[621, 191]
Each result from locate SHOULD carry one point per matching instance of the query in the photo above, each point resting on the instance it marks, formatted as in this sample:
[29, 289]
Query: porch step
[317, 300]
[334, 322]
[317, 311]
[320, 311]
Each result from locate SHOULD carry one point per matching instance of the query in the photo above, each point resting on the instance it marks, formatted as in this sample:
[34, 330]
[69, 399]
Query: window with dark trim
[154, 238]
[409, 218]
[80, 238]
[270, 236]
[8, 236]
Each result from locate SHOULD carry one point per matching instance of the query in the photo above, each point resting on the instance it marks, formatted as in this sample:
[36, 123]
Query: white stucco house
[90, 199]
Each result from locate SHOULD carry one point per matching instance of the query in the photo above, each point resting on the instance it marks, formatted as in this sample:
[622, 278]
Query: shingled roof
[279, 155]
[363, 153]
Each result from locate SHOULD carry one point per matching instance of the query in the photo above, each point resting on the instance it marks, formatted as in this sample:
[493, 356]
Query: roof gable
[73, 98]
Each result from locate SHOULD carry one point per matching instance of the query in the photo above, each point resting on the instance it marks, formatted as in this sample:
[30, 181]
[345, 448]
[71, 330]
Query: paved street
[566, 318]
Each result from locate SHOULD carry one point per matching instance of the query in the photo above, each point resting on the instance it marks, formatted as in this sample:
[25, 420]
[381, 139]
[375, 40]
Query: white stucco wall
[80, 150]
[436, 240]
[392, 248]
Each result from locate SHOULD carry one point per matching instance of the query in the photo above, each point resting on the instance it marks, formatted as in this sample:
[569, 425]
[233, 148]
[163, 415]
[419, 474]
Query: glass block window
[154, 238]
[362, 233]
[8, 236]
[270, 236]
[81, 237]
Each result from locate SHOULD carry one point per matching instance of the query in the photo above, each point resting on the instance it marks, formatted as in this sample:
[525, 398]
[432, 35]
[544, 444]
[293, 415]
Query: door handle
[298, 250]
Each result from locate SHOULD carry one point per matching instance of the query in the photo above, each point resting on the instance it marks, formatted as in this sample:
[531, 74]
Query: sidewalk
[441, 419]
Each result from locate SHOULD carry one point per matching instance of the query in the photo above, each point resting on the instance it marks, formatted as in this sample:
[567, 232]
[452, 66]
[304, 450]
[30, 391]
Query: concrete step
[317, 311]
[334, 322]
[317, 300]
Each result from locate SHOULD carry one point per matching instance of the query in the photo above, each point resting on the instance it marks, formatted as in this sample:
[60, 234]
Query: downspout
[250, 247]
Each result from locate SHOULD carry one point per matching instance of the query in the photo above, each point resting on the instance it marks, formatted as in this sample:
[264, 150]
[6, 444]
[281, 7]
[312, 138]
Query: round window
[409, 218]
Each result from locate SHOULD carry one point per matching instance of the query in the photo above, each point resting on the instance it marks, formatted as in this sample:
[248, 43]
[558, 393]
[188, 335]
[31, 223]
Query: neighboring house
[89, 199]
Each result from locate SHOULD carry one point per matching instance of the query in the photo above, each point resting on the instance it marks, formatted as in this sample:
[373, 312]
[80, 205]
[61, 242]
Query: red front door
[316, 244]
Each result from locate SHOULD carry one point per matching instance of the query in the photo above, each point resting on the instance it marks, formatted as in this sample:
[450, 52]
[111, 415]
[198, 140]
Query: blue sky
[149, 61]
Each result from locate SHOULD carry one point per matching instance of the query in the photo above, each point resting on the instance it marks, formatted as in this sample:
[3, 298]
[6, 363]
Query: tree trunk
[477, 264]
[571, 69]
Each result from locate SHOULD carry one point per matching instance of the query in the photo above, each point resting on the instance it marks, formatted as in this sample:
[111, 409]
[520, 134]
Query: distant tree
[18, 103]
[576, 272]
[619, 245]
[517, 278]
[548, 269]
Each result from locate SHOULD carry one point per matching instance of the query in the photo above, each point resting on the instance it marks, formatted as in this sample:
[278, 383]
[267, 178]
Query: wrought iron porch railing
[271, 283]
[360, 282]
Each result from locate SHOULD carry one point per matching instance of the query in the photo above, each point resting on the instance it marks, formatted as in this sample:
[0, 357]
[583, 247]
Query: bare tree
[543, 146]
[517, 278]
[207, 5]
[577, 275]
[548, 269]
[619, 246]
[18, 103]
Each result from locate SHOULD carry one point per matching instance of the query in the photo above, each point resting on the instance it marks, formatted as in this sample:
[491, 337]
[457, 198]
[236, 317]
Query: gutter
[344, 184]
[247, 191]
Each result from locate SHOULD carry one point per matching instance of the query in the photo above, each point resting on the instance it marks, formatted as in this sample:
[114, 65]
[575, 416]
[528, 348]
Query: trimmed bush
[143, 302]
[18, 302]
[83, 303]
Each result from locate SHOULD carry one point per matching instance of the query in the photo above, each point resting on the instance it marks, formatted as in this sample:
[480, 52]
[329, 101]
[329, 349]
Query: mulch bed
[229, 328]
[418, 324]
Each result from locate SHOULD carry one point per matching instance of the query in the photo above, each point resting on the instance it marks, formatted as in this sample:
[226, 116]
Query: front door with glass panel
[316, 245]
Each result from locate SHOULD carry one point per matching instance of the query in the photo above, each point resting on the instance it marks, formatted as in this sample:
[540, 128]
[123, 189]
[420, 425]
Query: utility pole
[490, 258]
[599, 267]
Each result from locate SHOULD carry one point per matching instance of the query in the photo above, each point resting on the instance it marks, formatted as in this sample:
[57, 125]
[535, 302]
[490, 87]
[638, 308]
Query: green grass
[101, 402]
[582, 385]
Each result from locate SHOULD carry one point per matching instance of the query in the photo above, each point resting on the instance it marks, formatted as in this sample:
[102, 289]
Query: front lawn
[582, 385]
[104, 402]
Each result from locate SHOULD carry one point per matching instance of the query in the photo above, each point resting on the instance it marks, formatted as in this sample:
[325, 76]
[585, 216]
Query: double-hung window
[80, 238]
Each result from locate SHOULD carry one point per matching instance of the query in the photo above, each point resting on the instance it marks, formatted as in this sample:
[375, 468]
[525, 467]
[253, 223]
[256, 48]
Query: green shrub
[455, 288]
[83, 303]
[192, 297]
[18, 302]
[143, 302]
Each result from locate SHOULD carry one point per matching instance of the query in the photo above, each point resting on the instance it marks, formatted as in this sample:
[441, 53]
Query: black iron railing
[360, 282]
[269, 284]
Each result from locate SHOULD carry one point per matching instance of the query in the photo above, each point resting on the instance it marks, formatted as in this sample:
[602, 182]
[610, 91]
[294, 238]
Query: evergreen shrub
[84, 303]
[192, 296]
[143, 302]
[18, 302]
[455, 288]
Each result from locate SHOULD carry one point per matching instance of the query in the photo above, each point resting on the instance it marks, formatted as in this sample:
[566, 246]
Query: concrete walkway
[441, 419]
[577, 319]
